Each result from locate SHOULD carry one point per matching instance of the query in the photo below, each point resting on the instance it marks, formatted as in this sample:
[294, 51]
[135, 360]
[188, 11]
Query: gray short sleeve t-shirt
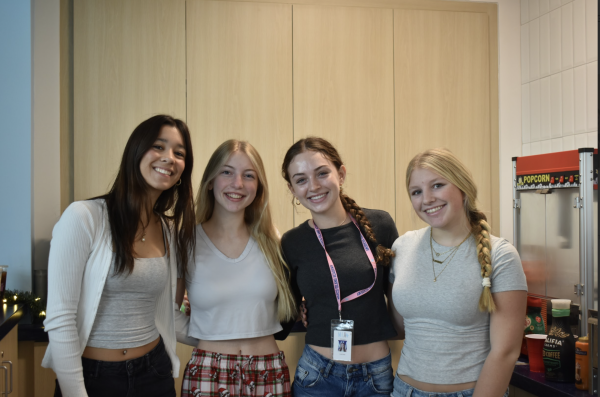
[447, 337]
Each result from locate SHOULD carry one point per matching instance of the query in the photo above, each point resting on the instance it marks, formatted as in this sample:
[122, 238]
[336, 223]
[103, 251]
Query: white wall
[559, 75]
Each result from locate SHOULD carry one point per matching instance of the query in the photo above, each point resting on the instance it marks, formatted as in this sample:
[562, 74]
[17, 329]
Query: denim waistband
[403, 389]
[130, 367]
[329, 367]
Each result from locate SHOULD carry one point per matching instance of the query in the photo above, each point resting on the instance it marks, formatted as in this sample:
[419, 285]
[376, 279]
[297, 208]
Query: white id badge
[342, 332]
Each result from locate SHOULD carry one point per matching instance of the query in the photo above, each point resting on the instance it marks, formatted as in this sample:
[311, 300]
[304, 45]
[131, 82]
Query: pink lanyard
[336, 283]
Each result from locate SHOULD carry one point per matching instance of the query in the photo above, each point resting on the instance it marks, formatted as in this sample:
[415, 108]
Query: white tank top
[231, 298]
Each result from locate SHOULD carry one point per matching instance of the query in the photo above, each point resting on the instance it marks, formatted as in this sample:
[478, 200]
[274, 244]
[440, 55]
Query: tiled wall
[559, 75]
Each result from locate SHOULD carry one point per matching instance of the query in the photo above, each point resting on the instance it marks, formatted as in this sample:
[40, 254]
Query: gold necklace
[449, 258]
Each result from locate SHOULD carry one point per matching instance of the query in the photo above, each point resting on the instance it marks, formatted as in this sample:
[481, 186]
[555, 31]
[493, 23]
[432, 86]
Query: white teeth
[233, 195]
[162, 171]
[432, 210]
[320, 196]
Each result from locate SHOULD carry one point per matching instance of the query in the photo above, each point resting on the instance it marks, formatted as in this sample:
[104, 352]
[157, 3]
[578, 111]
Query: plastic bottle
[582, 349]
[559, 348]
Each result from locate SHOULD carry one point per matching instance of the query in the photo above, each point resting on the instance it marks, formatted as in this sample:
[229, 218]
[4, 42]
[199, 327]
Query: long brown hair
[448, 166]
[257, 217]
[316, 144]
[128, 197]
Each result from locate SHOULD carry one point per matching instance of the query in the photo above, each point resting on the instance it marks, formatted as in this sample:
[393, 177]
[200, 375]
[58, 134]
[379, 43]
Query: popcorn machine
[555, 207]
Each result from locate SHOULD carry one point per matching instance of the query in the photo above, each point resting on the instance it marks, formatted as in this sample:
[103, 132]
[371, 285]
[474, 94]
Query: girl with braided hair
[460, 293]
[339, 262]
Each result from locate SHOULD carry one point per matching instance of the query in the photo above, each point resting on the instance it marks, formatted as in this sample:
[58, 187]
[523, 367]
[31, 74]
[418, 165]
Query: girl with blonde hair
[238, 286]
[460, 293]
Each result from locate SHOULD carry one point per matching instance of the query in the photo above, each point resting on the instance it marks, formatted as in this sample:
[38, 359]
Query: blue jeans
[148, 376]
[319, 376]
[403, 389]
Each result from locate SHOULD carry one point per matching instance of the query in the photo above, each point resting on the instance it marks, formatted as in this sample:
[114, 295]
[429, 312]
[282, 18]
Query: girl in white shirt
[112, 272]
[238, 286]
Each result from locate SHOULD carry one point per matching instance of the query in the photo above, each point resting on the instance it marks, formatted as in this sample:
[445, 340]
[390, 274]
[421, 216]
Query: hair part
[128, 197]
[444, 163]
[320, 145]
[257, 217]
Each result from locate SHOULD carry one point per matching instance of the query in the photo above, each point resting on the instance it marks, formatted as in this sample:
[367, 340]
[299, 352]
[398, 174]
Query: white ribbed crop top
[231, 298]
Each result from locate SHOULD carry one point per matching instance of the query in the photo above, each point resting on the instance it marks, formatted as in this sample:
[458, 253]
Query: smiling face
[315, 182]
[436, 201]
[162, 165]
[236, 184]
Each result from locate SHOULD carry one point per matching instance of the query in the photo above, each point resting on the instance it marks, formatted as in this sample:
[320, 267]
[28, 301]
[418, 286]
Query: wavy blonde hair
[448, 166]
[257, 217]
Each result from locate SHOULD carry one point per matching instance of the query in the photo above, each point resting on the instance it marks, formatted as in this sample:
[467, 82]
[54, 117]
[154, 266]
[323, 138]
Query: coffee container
[559, 348]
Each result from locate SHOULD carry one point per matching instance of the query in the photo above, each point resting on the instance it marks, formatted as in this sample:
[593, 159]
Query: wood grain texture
[44, 377]
[129, 64]
[343, 92]
[442, 91]
[239, 67]
[9, 351]
[26, 368]
[437, 5]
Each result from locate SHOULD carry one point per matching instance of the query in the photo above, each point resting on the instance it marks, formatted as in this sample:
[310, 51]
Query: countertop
[535, 383]
[9, 317]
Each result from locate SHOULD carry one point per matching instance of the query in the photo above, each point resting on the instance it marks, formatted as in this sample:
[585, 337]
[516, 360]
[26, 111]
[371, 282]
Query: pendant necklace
[448, 259]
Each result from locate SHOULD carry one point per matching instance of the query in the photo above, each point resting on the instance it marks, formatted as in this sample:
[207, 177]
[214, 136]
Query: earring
[297, 201]
[178, 183]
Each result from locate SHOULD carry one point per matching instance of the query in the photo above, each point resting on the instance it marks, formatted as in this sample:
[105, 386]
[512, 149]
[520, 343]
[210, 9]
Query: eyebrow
[316, 169]
[179, 145]
[249, 169]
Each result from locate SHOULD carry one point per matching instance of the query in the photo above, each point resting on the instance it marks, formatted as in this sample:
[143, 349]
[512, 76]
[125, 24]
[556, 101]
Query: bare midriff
[261, 346]
[437, 388]
[360, 353]
[97, 353]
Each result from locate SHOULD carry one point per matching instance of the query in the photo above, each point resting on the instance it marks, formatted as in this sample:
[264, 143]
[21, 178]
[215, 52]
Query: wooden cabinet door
[129, 65]
[344, 92]
[443, 98]
[9, 351]
[239, 76]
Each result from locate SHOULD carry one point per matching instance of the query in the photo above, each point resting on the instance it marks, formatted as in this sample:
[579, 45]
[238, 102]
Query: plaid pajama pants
[209, 374]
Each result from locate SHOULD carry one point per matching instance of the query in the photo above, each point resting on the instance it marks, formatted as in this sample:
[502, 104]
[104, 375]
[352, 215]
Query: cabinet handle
[5, 392]
[11, 376]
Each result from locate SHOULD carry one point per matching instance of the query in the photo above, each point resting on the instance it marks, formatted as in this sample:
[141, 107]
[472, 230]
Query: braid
[481, 230]
[383, 254]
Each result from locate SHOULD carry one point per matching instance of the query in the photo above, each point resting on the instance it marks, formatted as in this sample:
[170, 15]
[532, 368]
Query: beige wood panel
[442, 91]
[184, 352]
[343, 92]
[44, 377]
[9, 351]
[239, 65]
[26, 368]
[66, 103]
[403, 4]
[34, 380]
[129, 64]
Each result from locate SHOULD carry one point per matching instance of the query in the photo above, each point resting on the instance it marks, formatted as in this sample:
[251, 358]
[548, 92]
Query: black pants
[147, 376]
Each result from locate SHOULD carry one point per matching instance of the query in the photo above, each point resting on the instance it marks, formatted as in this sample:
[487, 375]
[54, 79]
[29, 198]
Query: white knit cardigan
[79, 262]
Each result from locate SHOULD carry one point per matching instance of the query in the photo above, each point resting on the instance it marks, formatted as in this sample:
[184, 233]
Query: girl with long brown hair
[459, 292]
[238, 286]
[339, 261]
[112, 272]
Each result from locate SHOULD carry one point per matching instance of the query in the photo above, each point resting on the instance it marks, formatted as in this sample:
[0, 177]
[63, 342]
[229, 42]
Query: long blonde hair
[257, 217]
[448, 166]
